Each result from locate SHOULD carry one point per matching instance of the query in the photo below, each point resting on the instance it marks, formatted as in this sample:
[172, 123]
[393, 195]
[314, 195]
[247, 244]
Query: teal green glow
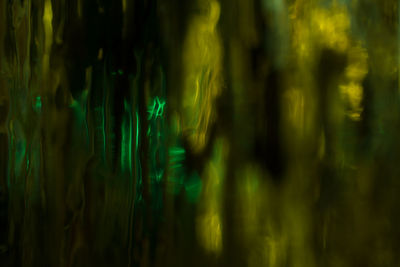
[176, 166]
[157, 108]
[130, 140]
[130, 147]
[137, 132]
[126, 142]
[176, 154]
[151, 110]
[27, 164]
[137, 158]
[159, 175]
[177, 176]
[176, 151]
[120, 72]
[160, 109]
[79, 107]
[38, 104]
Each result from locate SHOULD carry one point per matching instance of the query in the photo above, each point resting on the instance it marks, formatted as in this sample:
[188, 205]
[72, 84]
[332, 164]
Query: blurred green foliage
[201, 133]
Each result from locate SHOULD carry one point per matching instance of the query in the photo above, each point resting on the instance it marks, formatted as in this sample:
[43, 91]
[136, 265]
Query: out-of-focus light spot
[100, 54]
[355, 72]
[38, 104]
[27, 164]
[357, 68]
[354, 94]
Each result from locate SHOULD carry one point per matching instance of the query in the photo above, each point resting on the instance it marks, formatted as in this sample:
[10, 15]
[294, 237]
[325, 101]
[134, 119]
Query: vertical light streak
[202, 58]
[48, 29]
[209, 222]
[126, 142]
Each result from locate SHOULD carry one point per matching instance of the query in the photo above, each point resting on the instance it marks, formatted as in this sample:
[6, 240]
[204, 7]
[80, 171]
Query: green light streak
[177, 154]
[176, 151]
[160, 109]
[130, 139]
[123, 145]
[137, 132]
[157, 108]
[152, 110]
[126, 142]
[137, 157]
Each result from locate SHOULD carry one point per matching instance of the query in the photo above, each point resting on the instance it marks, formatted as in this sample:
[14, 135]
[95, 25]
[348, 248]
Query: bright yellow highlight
[357, 68]
[48, 29]
[318, 27]
[352, 91]
[211, 237]
[354, 94]
[331, 27]
[209, 225]
[202, 71]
